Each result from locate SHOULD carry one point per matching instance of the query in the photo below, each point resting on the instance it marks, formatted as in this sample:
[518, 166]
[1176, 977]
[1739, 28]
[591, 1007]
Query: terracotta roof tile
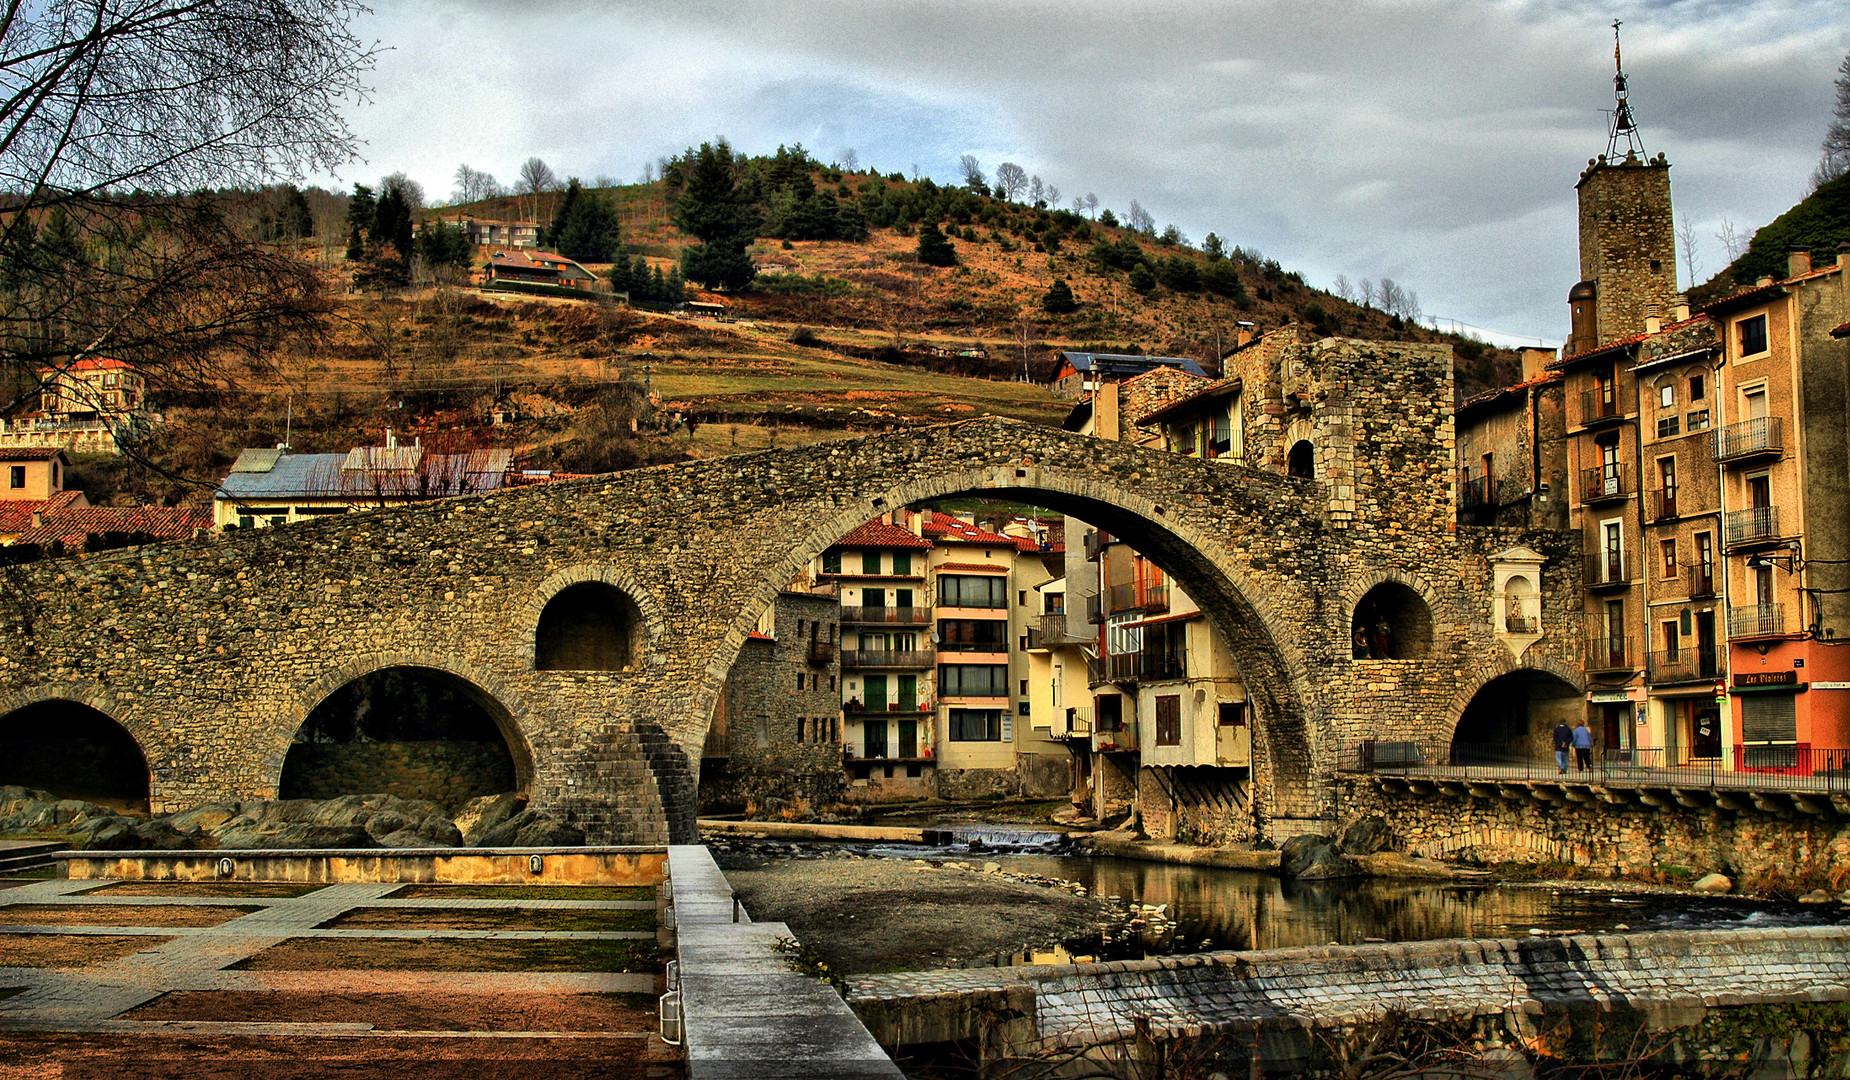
[987, 568]
[1610, 346]
[70, 526]
[962, 532]
[881, 534]
[30, 453]
[16, 515]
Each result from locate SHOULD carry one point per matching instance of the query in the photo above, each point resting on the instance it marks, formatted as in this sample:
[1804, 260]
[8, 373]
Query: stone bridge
[212, 653]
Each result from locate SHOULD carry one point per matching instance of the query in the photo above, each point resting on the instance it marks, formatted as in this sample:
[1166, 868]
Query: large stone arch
[501, 701]
[1289, 740]
[143, 736]
[654, 624]
[1500, 665]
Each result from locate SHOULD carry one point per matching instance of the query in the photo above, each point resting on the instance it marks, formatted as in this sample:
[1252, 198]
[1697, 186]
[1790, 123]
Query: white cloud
[1433, 142]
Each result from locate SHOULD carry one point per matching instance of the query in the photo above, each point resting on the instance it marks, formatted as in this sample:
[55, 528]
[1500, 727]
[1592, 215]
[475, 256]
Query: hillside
[1820, 223]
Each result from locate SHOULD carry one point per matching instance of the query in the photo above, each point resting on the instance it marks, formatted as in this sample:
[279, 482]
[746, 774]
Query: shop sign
[1766, 678]
[1609, 696]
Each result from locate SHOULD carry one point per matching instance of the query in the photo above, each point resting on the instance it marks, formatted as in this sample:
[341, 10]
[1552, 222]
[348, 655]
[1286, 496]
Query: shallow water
[1207, 908]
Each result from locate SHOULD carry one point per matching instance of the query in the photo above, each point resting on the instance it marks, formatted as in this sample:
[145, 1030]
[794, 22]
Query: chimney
[1682, 308]
[1653, 320]
[1798, 261]
[1762, 282]
[1843, 254]
[1246, 334]
[1535, 362]
[1105, 412]
[391, 441]
[38, 520]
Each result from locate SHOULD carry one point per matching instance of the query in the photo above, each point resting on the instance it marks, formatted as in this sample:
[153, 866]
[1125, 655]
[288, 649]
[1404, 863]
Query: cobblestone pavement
[89, 998]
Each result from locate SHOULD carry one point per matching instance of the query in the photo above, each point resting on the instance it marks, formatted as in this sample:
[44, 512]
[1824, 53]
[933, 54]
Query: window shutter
[1768, 718]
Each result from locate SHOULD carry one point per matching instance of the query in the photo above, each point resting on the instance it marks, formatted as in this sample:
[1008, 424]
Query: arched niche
[73, 751]
[1391, 622]
[1512, 718]
[1301, 461]
[414, 732]
[590, 626]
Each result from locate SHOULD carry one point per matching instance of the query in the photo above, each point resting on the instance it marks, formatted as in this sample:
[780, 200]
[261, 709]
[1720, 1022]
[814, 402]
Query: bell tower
[1628, 250]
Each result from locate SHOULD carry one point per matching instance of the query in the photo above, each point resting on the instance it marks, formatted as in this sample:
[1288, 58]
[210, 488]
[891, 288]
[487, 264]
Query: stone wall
[1778, 852]
[1203, 805]
[446, 773]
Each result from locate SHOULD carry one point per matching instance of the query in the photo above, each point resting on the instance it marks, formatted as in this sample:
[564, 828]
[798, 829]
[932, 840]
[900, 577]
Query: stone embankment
[350, 821]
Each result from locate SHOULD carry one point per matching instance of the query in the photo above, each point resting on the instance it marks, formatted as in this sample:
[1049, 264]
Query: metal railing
[1701, 580]
[1079, 720]
[885, 616]
[1607, 568]
[1609, 654]
[856, 708]
[1756, 620]
[1663, 503]
[863, 659]
[1147, 665]
[1664, 668]
[1598, 408]
[1750, 438]
[1120, 598]
[1095, 609]
[1606, 482]
[1797, 767]
[1522, 624]
[1755, 525]
[1481, 492]
[821, 652]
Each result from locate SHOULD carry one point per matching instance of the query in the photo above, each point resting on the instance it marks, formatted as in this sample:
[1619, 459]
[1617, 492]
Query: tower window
[1657, 266]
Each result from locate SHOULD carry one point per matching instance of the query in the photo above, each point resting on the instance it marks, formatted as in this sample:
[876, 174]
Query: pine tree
[297, 220]
[1059, 299]
[586, 228]
[934, 249]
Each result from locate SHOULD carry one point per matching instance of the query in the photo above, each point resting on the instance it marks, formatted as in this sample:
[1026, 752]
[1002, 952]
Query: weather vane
[1624, 129]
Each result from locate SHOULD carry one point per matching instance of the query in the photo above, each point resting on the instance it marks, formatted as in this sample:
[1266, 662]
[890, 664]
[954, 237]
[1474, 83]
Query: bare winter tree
[1011, 180]
[1079, 204]
[1836, 159]
[850, 161]
[1342, 289]
[1686, 239]
[972, 171]
[1396, 300]
[1091, 204]
[1053, 197]
[1137, 219]
[473, 186]
[1037, 190]
[412, 191]
[1731, 240]
[163, 98]
[536, 179]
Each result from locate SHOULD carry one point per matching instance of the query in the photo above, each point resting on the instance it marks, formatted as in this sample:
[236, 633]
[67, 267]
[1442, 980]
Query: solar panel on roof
[256, 461]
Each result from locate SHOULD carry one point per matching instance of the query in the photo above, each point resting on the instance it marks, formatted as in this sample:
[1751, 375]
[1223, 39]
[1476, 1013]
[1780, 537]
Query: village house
[540, 268]
[491, 232]
[273, 487]
[83, 407]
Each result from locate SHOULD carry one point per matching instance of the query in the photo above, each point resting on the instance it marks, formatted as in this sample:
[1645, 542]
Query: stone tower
[1628, 246]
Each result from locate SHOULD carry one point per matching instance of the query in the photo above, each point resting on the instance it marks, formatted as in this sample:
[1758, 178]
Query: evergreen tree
[1222, 277]
[297, 220]
[361, 208]
[1059, 299]
[586, 228]
[1142, 279]
[934, 249]
[567, 204]
[356, 245]
[392, 221]
[722, 264]
[710, 208]
[442, 244]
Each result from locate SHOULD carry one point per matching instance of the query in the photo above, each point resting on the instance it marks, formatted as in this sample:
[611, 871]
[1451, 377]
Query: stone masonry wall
[212, 652]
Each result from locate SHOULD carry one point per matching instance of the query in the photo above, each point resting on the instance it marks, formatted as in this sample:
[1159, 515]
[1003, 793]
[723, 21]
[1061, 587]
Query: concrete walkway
[748, 1016]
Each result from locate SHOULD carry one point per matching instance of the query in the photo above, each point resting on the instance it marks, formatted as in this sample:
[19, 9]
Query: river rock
[205, 817]
[1365, 837]
[253, 836]
[480, 815]
[1713, 883]
[1816, 896]
[532, 828]
[1312, 858]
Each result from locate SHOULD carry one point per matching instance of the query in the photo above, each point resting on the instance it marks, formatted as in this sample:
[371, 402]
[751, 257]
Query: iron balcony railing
[1522, 624]
[1607, 569]
[1608, 654]
[905, 708]
[1606, 482]
[1665, 668]
[1756, 620]
[1795, 767]
[1078, 721]
[864, 659]
[1095, 609]
[1701, 580]
[1147, 665]
[1120, 598]
[821, 652]
[1755, 525]
[1599, 408]
[1663, 503]
[885, 616]
[1760, 437]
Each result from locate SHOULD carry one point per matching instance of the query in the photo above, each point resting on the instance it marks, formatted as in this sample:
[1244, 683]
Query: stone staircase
[19, 856]
[626, 779]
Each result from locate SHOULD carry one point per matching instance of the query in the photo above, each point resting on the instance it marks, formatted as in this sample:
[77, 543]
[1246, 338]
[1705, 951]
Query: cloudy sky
[1433, 142]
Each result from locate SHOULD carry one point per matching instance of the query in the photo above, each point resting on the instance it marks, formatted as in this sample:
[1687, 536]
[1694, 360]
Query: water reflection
[1233, 909]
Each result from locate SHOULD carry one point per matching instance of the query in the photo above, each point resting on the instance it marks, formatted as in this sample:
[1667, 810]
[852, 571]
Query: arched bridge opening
[73, 751]
[1512, 718]
[413, 732]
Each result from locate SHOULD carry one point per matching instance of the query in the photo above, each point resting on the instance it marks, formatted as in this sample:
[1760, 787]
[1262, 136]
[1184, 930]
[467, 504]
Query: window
[16, 476]
[870, 562]
[1696, 390]
[1670, 558]
[799, 729]
[976, 725]
[1750, 334]
[245, 521]
[973, 635]
[902, 566]
[1667, 396]
[957, 590]
[799, 680]
[1024, 686]
[1021, 598]
[1169, 720]
[1671, 640]
[831, 562]
[1667, 483]
[1698, 420]
[1231, 714]
[831, 684]
[1053, 603]
[973, 680]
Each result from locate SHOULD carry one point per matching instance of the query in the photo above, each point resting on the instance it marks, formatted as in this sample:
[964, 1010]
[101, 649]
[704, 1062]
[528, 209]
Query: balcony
[901, 708]
[1095, 610]
[1522, 624]
[1607, 483]
[1609, 655]
[1663, 504]
[1050, 634]
[1154, 599]
[1750, 439]
[1121, 738]
[1701, 580]
[1757, 525]
[1600, 409]
[1757, 621]
[885, 616]
[1120, 598]
[1129, 667]
[821, 652]
[1682, 666]
[1608, 570]
[1078, 723]
[1095, 542]
[876, 659]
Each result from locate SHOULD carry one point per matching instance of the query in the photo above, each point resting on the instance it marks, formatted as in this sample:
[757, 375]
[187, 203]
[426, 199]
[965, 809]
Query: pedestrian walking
[1583, 746]
[1564, 741]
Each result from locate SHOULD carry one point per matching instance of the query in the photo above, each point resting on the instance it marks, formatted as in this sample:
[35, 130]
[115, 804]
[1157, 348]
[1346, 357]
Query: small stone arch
[1513, 707]
[499, 700]
[599, 601]
[1301, 460]
[1390, 618]
[82, 749]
